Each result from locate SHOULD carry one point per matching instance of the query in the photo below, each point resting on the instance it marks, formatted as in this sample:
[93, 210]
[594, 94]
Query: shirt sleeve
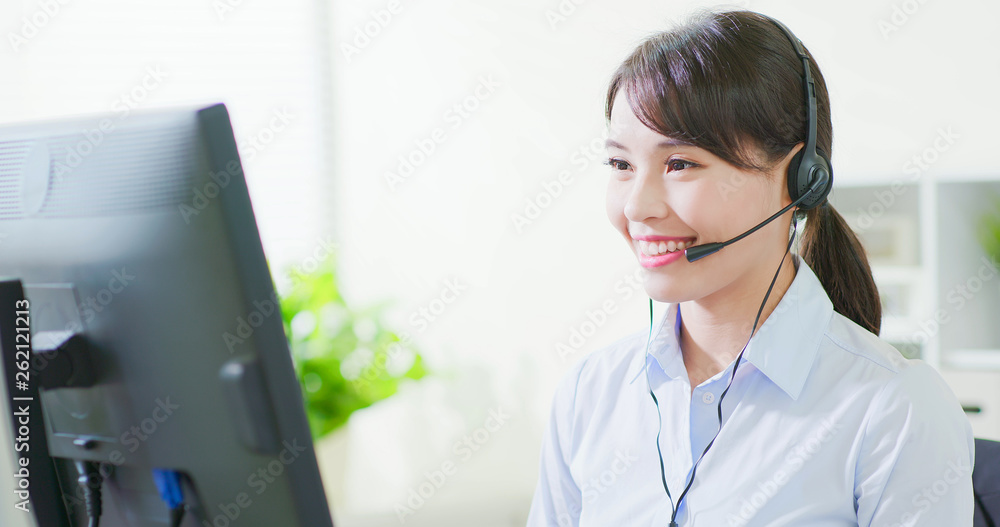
[557, 500]
[916, 456]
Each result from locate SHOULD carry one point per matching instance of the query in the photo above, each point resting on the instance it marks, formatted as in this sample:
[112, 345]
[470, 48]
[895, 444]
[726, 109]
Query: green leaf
[989, 232]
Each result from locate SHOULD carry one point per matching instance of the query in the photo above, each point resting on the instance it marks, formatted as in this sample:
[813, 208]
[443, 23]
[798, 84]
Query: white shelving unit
[940, 291]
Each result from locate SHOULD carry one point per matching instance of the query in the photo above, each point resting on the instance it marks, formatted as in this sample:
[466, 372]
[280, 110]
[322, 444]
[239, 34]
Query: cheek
[723, 206]
[697, 206]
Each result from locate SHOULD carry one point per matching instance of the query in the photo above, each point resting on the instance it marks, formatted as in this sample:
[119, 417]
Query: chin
[668, 299]
[666, 292]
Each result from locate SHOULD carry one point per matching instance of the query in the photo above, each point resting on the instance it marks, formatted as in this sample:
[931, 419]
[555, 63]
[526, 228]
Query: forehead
[626, 130]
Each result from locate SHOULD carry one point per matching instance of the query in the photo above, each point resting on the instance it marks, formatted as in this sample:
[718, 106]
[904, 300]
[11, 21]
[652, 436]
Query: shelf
[973, 359]
[898, 273]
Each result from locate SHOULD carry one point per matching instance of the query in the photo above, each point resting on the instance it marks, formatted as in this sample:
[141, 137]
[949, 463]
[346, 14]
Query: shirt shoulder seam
[850, 349]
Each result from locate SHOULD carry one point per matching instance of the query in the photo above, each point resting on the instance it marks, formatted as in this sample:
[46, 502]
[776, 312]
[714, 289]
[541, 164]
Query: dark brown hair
[731, 83]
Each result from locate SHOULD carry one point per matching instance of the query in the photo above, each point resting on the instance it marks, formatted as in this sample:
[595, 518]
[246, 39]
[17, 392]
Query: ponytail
[835, 254]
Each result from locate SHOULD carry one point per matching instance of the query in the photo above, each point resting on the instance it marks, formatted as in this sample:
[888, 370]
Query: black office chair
[986, 483]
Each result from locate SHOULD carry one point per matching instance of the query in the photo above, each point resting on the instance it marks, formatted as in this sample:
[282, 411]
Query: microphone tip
[700, 251]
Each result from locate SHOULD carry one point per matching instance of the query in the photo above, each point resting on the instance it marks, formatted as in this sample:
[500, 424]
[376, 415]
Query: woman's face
[665, 193]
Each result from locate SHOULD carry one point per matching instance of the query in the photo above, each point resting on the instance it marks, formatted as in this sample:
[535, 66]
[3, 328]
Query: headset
[810, 175]
[809, 180]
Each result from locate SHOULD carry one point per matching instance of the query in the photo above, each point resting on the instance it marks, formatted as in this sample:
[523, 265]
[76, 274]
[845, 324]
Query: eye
[679, 164]
[617, 164]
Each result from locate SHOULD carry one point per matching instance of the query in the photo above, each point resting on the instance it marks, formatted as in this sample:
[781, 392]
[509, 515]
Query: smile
[657, 253]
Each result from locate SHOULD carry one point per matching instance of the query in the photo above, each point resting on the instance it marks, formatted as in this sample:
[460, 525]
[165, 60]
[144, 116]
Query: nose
[647, 199]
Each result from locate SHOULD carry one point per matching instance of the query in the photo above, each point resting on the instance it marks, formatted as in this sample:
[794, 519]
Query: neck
[715, 328]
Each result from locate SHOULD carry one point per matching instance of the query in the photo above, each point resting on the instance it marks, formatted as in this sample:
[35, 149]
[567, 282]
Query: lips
[656, 250]
[650, 262]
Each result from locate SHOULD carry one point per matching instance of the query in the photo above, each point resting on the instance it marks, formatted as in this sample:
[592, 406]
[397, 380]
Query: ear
[780, 173]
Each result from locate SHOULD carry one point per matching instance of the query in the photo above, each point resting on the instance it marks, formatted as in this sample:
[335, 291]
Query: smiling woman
[714, 126]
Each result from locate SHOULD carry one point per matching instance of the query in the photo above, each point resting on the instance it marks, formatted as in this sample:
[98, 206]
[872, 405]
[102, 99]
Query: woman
[814, 421]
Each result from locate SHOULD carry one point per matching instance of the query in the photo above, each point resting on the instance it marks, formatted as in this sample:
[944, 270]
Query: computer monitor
[133, 241]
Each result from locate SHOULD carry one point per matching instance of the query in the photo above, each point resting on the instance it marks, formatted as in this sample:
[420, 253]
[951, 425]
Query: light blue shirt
[825, 425]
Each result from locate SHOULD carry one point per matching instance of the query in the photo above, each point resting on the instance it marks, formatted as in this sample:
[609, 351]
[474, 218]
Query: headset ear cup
[820, 194]
[818, 165]
[799, 169]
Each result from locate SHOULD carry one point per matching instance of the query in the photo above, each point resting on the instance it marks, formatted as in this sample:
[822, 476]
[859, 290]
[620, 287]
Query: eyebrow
[666, 143]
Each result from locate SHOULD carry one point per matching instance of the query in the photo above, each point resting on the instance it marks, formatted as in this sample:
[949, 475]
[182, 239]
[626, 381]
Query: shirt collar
[784, 346]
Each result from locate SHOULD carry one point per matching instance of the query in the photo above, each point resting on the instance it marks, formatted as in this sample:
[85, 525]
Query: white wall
[257, 57]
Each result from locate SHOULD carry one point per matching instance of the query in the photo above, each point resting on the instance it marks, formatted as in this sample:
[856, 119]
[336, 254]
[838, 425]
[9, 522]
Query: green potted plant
[345, 357]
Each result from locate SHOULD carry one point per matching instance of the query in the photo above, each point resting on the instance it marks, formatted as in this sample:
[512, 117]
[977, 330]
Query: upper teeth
[658, 248]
